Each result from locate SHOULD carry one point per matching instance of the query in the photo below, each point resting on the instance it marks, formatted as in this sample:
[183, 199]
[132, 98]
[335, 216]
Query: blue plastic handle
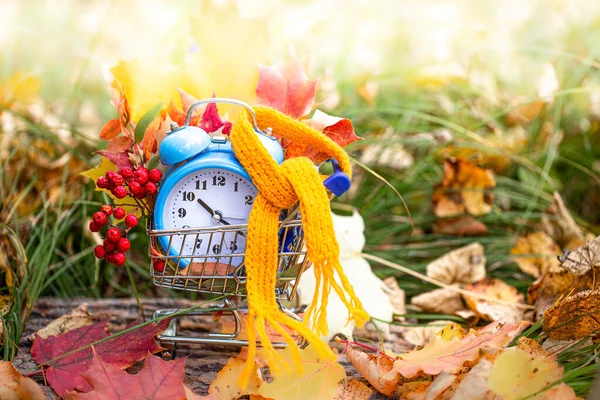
[337, 183]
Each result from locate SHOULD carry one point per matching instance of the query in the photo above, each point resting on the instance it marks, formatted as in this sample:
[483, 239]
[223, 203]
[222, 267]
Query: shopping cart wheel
[169, 351]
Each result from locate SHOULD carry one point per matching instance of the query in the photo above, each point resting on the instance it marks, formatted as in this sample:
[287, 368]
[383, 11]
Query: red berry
[127, 172]
[94, 227]
[124, 245]
[107, 209]
[119, 213]
[99, 218]
[141, 175]
[119, 259]
[109, 246]
[159, 265]
[117, 179]
[131, 221]
[155, 175]
[109, 257]
[113, 235]
[119, 192]
[150, 188]
[99, 251]
[109, 175]
[134, 187]
[141, 194]
[110, 185]
[102, 182]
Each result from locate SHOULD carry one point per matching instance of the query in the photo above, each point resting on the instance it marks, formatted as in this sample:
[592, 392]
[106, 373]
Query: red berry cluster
[140, 181]
[116, 243]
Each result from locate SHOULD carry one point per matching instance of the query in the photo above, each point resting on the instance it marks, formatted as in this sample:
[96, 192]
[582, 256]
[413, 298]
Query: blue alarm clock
[206, 187]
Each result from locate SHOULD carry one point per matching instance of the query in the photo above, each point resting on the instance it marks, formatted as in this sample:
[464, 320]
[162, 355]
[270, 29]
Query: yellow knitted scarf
[280, 187]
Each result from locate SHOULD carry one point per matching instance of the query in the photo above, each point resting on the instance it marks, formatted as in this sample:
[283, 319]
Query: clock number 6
[216, 249]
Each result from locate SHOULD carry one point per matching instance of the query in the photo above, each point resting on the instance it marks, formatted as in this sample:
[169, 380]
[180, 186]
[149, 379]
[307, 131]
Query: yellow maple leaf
[319, 379]
[230, 49]
[19, 88]
[146, 83]
[106, 165]
[225, 386]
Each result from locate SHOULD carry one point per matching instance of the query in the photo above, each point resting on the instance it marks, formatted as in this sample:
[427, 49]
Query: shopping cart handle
[337, 183]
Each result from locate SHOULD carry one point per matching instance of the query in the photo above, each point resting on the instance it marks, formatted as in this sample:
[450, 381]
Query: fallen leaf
[490, 311]
[340, 130]
[21, 88]
[421, 335]
[318, 380]
[544, 292]
[442, 387]
[521, 371]
[395, 294]
[353, 390]
[574, 317]
[149, 144]
[374, 368]
[535, 254]
[212, 122]
[463, 265]
[464, 189]
[5, 305]
[387, 371]
[158, 379]
[465, 225]
[558, 223]
[15, 386]
[217, 28]
[226, 387]
[439, 301]
[77, 318]
[474, 384]
[449, 356]
[110, 130]
[285, 87]
[525, 113]
[64, 374]
[582, 259]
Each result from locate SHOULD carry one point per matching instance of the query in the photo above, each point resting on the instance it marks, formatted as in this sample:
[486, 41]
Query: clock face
[210, 197]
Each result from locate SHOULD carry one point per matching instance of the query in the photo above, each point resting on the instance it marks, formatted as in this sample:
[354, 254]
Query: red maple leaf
[210, 120]
[285, 87]
[65, 374]
[340, 130]
[158, 379]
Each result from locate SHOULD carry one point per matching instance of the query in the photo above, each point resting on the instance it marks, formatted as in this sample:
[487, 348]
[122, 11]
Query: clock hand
[232, 217]
[216, 215]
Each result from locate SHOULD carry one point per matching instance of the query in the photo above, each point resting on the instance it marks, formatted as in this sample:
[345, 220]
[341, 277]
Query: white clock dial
[210, 197]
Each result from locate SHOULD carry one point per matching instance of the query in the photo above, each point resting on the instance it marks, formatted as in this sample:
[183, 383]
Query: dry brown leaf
[440, 301]
[474, 384]
[491, 311]
[558, 223]
[536, 254]
[460, 226]
[15, 386]
[582, 259]
[575, 317]
[353, 390]
[544, 292]
[373, 367]
[396, 295]
[525, 113]
[463, 265]
[421, 335]
[75, 319]
[464, 189]
[5, 305]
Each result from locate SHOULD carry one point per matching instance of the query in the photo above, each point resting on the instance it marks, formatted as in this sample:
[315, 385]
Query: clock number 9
[181, 212]
[249, 200]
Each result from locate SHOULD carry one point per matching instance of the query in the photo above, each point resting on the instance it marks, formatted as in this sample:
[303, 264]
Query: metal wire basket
[224, 274]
